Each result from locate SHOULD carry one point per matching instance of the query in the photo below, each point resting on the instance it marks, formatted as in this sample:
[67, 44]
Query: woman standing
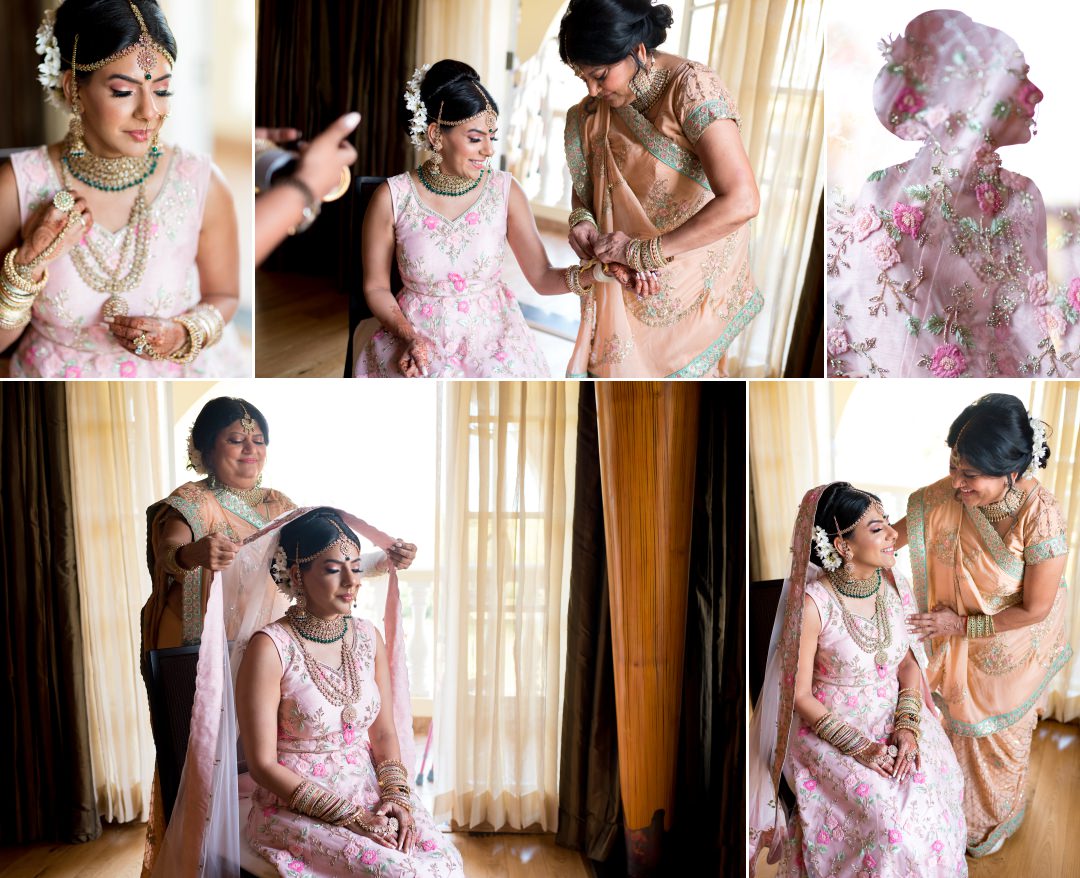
[662, 185]
[120, 252]
[844, 712]
[988, 550]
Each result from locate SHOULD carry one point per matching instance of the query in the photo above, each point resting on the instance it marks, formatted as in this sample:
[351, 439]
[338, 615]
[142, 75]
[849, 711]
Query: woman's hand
[907, 757]
[612, 247]
[939, 622]
[876, 757]
[402, 554]
[145, 336]
[640, 283]
[368, 830]
[322, 160]
[583, 240]
[415, 358]
[47, 223]
[406, 837]
[212, 552]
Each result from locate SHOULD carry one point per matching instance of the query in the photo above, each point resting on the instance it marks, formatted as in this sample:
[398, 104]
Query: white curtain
[118, 450]
[770, 55]
[506, 482]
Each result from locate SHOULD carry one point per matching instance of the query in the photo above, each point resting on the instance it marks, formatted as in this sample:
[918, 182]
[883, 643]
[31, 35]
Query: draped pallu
[648, 443]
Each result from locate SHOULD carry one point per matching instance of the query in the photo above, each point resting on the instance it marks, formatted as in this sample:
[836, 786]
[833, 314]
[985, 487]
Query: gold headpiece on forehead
[247, 422]
[490, 117]
[872, 505]
[146, 46]
[349, 550]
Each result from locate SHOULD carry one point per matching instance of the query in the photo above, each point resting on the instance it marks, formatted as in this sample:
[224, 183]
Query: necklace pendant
[348, 715]
[880, 658]
[114, 307]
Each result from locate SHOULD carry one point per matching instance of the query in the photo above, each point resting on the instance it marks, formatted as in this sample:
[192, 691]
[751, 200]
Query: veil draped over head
[203, 837]
[771, 723]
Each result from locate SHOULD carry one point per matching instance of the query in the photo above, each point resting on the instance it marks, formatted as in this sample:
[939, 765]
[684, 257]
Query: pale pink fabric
[66, 337]
[313, 744]
[203, 836]
[939, 267]
[454, 295]
[894, 825]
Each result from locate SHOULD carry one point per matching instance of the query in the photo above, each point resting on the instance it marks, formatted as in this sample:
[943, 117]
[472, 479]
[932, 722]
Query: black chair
[764, 599]
[364, 188]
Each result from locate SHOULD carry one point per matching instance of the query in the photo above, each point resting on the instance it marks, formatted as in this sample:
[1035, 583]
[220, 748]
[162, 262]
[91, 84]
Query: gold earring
[301, 597]
[436, 147]
[77, 148]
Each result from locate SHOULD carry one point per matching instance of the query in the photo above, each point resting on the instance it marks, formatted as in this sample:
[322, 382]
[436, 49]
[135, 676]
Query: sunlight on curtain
[119, 463]
[1060, 408]
[506, 482]
[769, 54]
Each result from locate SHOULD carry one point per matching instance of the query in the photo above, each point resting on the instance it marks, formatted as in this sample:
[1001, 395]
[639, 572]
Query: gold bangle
[583, 215]
[15, 277]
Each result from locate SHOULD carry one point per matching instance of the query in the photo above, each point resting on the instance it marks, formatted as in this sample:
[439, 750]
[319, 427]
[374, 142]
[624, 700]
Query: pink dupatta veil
[203, 837]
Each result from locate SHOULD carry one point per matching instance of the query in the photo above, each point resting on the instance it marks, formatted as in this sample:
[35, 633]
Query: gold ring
[142, 344]
[63, 201]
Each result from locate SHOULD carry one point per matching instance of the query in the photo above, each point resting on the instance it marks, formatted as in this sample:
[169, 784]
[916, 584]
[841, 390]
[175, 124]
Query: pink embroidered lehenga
[639, 174]
[939, 268]
[849, 821]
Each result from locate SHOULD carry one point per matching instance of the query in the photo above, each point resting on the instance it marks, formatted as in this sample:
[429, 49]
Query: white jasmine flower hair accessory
[46, 45]
[1038, 447]
[418, 125]
[826, 551]
[194, 456]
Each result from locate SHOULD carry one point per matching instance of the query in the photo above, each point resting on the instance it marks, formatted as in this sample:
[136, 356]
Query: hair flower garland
[45, 44]
[194, 456]
[1038, 447]
[830, 558]
[418, 125]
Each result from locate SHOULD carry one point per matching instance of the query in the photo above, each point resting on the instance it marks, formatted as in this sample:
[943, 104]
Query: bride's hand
[939, 622]
[406, 837]
[368, 830]
[876, 757]
[908, 758]
[640, 283]
[48, 223]
[415, 359]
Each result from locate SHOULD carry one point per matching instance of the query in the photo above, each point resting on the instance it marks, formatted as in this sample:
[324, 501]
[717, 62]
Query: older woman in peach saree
[654, 161]
[988, 578]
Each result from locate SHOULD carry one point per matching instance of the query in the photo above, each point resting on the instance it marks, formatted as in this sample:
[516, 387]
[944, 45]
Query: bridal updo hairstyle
[606, 31]
[104, 27]
[453, 84]
[994, 435]
[217, 414]
[840, 504]
[311, 533]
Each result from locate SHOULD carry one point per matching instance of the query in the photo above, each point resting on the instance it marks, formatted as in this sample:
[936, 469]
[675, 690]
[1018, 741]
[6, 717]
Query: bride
[120, 252]
[845, 713]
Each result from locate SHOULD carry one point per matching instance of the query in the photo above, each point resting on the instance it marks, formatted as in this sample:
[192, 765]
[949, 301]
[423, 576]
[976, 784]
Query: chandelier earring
[301, 596]
[75, 126]
[436, 148]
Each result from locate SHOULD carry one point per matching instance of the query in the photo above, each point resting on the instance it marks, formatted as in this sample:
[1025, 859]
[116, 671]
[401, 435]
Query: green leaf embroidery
[918, 191]
[913, 325]
[963, 337]
[935, 324]
[875, 176]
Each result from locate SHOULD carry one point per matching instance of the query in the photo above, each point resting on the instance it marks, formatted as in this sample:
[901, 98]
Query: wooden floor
[301, 327]
[1048, 842]
[118, 854]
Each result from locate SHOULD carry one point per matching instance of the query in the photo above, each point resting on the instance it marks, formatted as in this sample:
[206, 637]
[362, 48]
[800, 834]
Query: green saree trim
[662, 149]
[702, 116]
[1003, 831]
[705, 362]
[1008, 563]
[573, 138]
[1054, 547]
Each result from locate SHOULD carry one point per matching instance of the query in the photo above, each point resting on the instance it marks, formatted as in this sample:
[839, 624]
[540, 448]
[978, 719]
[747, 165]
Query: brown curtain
[316, 61]
[806, 354]
[22, 114]
[707, 834]
[45, 744]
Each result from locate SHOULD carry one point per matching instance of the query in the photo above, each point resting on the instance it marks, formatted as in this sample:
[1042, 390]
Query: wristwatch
[312, 206]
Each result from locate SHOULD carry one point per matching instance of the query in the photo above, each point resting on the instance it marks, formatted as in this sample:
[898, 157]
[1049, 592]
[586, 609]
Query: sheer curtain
[1060, 408]
[506, 484]
[118, 450]
[769, 53]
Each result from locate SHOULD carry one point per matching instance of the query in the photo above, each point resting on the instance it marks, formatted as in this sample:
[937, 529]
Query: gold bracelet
[583, 215]
[979, 626]
[15, 277]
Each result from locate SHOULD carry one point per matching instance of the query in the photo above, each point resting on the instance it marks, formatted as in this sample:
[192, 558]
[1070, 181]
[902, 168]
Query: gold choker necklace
[313, 628]
[648, 90]
[1001, 509]
[108, 174]
[437, 182]
[251, 496]
[850, 587]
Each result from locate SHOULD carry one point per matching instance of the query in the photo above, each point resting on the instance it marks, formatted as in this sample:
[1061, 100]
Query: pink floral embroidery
[908, 219]
[351, 849]
[73, 372]
[347, 734]
[869, 862]
[850, 781]
[430, 222]
[908, 101]
[831, 821]
[935, 115]
[472, 217]
[906, 600]
[884, 253]
[297, 865]
[501, 356]
[987, 160]
[463, 306]
[369, 857]
[918, 777]
[862, 790]
[866, 222]
[1027, 97]
[319, 770]
[937, 847]
[810, 784]
[895, 837]
[948, 361]
[269, 810]
[803, 731]
[911, 129]
[820, 696]
[352, 757]
[823, 837]
[427, 845]
[426, 309]
[838, 341]
[127, 369]
[881, 692]
[458, 281]
[1037, 288]
[990, 200]
[1073, 293]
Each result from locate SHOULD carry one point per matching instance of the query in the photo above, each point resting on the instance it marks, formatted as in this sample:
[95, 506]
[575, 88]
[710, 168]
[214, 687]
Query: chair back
[364, 189]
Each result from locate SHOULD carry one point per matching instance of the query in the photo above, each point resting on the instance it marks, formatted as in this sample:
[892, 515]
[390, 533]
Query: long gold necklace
[1001, 509]
[344, 696]
[880, 642]
[93, 265]
[437, 182]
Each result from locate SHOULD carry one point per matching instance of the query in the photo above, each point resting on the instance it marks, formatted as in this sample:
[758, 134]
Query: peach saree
[990, 690]
[638, 174]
